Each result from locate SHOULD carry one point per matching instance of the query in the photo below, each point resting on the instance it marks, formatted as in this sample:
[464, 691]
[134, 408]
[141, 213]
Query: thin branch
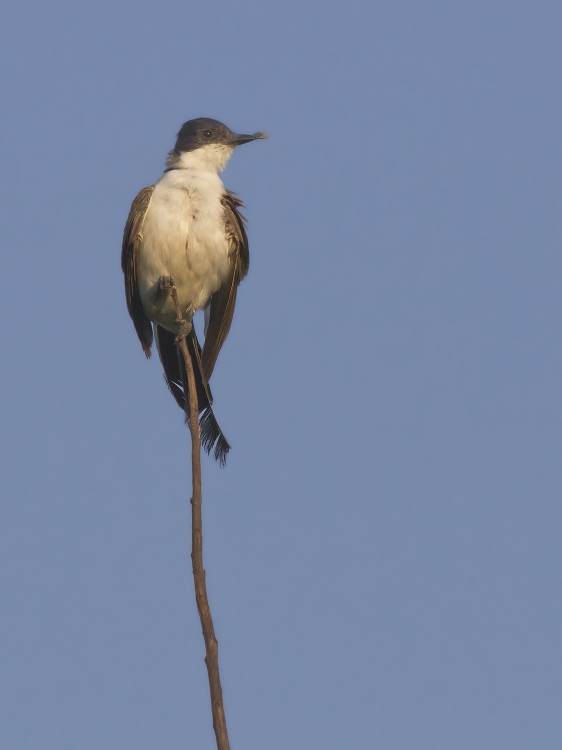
[211, 644]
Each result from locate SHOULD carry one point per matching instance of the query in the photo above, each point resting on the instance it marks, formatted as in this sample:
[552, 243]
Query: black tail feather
[212, 435]
[165, 343]
[176, 379]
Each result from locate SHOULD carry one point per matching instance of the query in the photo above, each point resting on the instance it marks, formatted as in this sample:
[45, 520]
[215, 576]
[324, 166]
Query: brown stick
[211, 643]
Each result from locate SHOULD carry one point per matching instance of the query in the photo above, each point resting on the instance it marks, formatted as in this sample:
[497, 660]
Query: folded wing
[131, 238]
[224, 300]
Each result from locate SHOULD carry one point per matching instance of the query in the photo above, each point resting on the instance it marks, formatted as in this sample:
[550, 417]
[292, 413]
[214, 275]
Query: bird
[186, 232]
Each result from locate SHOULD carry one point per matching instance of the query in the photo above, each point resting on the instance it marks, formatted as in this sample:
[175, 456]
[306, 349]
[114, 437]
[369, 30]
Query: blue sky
[383, 548]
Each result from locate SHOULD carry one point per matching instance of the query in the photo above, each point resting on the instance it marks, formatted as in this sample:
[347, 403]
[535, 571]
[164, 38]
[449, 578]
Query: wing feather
[131, 237]
[224, 300]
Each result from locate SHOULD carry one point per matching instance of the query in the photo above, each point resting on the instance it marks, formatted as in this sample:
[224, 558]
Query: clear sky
[383, 548]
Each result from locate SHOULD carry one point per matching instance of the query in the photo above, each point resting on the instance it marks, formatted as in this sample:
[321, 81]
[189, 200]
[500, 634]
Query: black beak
[239, 139]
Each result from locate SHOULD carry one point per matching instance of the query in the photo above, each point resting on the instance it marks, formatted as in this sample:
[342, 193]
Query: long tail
[176, 379]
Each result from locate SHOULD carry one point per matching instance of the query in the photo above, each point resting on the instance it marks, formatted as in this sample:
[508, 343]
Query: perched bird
[186, 231]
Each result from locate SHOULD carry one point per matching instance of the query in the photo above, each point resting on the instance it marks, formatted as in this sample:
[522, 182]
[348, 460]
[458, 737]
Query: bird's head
[209, 142]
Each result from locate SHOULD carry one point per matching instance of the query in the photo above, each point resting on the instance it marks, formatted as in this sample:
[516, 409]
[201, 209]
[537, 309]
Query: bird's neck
[211, 158]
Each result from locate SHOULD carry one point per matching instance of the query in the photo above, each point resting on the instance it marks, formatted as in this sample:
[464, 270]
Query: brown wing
[131, 235]
[224, 300]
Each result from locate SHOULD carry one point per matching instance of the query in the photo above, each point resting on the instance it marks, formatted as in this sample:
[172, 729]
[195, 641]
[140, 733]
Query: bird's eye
[207, 133]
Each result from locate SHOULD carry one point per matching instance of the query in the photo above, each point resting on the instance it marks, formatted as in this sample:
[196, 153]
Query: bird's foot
[166, 282]
[184, 327]
[163, 287]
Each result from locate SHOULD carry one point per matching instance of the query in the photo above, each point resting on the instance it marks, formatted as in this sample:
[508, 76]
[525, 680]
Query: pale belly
[183, 238]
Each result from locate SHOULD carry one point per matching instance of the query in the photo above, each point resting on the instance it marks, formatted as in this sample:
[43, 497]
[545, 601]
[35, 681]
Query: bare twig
[211, 644]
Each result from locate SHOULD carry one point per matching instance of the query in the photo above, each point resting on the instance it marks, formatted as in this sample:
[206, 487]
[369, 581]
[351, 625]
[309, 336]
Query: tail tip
[213, 437]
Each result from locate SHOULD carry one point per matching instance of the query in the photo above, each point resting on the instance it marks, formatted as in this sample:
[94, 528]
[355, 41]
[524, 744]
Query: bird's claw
[163, 287]
[166, 282]
[184, 328]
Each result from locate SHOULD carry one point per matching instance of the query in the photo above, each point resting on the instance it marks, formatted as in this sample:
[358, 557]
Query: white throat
[211, 158]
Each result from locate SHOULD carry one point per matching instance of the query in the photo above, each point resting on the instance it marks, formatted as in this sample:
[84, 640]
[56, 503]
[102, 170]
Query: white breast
[183, 236]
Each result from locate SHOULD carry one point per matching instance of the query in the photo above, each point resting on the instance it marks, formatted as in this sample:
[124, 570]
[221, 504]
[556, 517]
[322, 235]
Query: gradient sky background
[383, 549]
